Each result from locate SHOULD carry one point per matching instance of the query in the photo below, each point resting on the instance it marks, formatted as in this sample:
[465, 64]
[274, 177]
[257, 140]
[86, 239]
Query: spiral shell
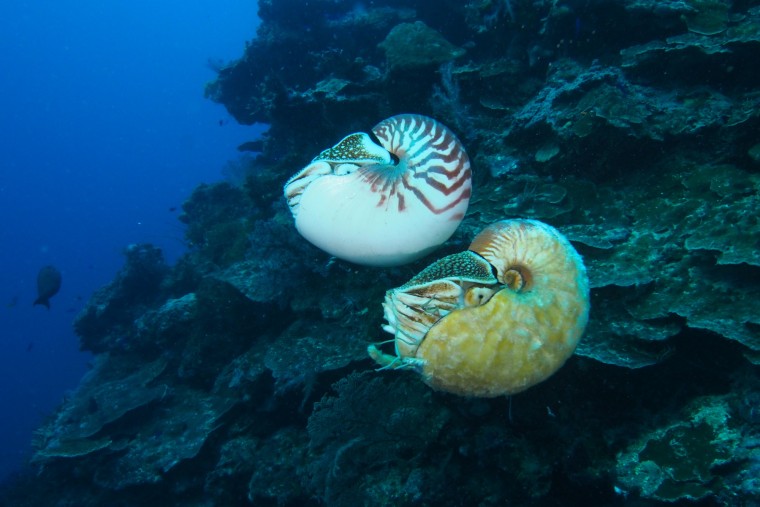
[384, 204]
[494, 320]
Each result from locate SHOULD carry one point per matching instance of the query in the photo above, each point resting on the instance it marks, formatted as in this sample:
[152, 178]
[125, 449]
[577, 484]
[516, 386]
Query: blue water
[104, 130]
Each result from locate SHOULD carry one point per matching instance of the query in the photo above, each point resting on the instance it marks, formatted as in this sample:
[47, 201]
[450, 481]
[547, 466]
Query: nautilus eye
[384, 204]
[535, 311]
[477, 295]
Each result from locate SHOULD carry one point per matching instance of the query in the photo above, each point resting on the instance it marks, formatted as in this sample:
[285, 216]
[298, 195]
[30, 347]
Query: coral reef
[430, 48]
[239, 376]
[677, 461]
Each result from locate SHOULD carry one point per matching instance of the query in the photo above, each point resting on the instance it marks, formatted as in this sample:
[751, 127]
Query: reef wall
[240, 375]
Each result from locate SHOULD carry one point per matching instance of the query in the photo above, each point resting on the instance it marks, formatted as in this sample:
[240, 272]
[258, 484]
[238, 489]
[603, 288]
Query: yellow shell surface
[520, 337]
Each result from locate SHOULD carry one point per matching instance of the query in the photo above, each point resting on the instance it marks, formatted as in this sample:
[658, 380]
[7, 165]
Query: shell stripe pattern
[438, 167]
[486, 333]
[384, 198]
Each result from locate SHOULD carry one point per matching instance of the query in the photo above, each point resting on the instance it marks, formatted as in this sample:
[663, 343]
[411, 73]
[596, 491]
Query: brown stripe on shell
[463, 179]
[429, 149]
[429, 205]
[498, 244]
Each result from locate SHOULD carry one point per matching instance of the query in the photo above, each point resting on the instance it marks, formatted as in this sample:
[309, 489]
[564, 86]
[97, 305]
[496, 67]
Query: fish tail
[40, 301]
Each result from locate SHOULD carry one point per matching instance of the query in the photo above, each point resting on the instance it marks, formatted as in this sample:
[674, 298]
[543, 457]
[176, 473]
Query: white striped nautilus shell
[492, 320]
[384, 204]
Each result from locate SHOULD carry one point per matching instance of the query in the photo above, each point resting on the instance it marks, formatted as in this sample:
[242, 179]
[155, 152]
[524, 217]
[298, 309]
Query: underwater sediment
[240, 375]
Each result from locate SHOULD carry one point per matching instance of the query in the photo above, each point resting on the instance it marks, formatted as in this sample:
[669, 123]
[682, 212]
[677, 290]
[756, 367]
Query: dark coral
[111, 311]
[239, 376]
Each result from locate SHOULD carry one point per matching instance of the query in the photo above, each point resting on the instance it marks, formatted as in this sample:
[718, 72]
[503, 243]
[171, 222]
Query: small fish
[48, 285]
[13, 302]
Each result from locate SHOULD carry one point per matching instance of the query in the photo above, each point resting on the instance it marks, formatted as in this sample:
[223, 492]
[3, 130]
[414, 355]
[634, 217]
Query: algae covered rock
[682, 460]
[412, 45]
[106, 320]
[356, 451]
[217, 218]
[100, 400]
[708, 17]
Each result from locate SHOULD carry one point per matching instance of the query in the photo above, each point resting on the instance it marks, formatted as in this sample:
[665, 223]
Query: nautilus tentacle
[384, 204]
[496, 330]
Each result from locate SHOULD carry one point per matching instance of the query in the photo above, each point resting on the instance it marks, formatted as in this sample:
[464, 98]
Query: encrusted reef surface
[239, 376]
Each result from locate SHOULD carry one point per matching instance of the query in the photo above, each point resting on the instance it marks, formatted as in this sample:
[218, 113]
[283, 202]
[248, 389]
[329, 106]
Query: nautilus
[384, 198]
[495, 319]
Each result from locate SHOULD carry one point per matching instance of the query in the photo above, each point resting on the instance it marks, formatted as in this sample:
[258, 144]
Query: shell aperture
[384, 204]
[436, 291]
[499, 336]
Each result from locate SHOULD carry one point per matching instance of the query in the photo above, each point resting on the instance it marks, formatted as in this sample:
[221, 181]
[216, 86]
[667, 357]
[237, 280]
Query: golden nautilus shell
[385, 198]
[495, 319]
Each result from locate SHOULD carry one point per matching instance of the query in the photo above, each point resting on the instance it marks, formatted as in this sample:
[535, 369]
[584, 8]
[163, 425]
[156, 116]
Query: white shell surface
[339, 214]
[384, 214]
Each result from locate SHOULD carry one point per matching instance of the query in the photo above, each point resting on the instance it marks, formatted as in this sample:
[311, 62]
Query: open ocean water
[105, 132]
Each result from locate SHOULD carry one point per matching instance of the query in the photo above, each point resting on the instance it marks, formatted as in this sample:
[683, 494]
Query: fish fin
[40, 301]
